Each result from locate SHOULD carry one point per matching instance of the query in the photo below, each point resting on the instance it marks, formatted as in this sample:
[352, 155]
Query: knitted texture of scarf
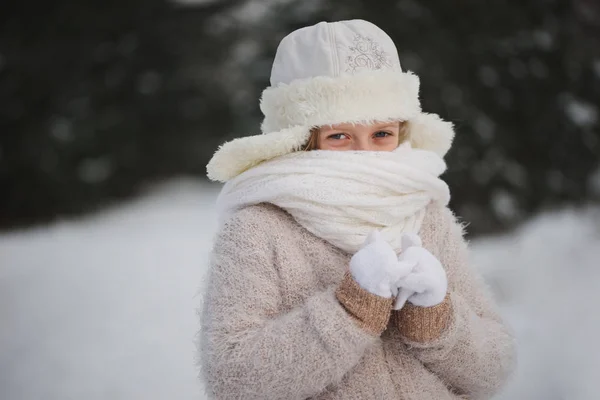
[341, 196]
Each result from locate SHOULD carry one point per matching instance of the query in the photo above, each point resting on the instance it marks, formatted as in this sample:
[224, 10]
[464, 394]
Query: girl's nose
[363, 145]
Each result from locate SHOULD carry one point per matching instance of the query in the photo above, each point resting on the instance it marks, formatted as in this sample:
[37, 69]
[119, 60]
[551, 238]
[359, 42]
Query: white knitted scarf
[341, 196]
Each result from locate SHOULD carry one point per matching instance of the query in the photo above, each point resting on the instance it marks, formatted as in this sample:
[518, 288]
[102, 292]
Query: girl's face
[376, 137]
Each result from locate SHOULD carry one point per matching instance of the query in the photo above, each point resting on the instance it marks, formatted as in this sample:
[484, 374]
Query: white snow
[546, 276]
[504, 204]
[104, 306]
[581, 112]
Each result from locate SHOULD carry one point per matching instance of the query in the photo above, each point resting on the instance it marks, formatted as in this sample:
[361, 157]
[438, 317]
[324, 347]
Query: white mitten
[427, 284]
[375, 267]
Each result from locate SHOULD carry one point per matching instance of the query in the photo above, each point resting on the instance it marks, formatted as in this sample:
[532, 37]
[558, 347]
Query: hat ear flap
[241, 154]
[430, 132]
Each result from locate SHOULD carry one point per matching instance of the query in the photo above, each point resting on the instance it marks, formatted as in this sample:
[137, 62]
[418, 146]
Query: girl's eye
[336, 136]
[382, 134]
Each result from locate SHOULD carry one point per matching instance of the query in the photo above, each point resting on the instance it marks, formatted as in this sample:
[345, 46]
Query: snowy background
[104, 306]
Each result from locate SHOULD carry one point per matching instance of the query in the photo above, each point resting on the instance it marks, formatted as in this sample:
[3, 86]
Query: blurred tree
[96, 100]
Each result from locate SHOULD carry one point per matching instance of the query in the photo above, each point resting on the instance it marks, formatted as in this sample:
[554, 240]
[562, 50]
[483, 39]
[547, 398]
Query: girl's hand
[376, 268]
[426, 285]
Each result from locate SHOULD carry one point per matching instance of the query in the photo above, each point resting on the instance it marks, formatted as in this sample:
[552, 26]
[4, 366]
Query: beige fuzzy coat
[282, 319]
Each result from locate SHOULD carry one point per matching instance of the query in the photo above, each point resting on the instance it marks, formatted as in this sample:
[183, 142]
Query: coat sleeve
[463, 341]
[249, 349]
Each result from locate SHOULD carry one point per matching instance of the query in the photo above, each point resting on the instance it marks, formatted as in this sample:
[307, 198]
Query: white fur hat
[331, 73]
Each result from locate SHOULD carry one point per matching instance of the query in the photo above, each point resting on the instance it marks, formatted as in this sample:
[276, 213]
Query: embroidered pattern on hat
[366, 54]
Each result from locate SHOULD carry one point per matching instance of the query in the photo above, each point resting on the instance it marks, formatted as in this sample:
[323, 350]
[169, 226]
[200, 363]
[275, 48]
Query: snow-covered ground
[547, 278]
[104, 307]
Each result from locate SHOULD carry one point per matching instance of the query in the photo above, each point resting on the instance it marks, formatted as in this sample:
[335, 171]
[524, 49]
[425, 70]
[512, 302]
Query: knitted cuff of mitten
[370, 311]
[424, 324]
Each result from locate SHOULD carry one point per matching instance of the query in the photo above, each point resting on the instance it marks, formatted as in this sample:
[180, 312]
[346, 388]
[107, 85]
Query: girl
[338, 271]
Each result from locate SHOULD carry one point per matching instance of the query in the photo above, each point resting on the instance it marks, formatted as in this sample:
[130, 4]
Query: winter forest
[110, 111]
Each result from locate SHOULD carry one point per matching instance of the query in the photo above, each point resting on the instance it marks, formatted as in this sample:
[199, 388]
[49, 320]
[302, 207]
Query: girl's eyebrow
[327, 130]
[385, 126]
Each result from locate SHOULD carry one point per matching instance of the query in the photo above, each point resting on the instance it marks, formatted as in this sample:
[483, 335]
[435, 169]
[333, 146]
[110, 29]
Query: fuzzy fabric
[376, 267]
[423, 324]
[342, 196]
[426, 284]
[273, 328]
[370, 311]
[325, 100]
[237, 156]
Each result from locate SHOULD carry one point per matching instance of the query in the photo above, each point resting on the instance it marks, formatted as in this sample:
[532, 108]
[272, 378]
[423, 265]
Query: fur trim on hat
[430, 132]
[238, 155]
[366, 97]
